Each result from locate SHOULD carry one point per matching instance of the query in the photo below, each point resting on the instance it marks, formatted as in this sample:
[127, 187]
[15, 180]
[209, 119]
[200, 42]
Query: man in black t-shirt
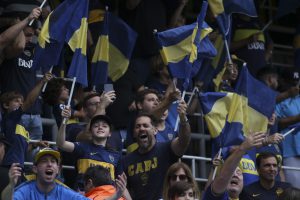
[267, 187]
[146, 166]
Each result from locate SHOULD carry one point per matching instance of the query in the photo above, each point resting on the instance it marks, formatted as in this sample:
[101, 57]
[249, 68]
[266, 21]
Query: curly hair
[53, 91]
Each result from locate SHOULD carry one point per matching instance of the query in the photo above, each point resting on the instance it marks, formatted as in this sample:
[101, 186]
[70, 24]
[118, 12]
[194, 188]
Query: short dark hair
[265, 155]
[53, 90]
[99, 175]
[9, 96]
[88, 97]
[265, 71]
[141, 95]
[178, 188]
[146, 114]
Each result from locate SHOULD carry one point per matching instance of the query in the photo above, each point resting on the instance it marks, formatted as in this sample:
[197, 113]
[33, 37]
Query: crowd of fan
[136, 115]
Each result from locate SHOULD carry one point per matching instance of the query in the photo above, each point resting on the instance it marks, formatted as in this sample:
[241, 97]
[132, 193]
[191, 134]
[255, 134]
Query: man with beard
[146, 166]
[46, 167]
[267, 187]
[229, 183]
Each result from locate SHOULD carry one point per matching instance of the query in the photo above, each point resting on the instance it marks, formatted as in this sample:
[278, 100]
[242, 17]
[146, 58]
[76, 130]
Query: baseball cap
[98, 118]
[47, 151]
[290, 74]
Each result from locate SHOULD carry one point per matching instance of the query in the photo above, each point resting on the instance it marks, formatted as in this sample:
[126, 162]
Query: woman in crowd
[179, 171]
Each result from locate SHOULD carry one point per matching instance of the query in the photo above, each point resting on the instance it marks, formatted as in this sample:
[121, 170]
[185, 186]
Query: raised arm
[35, 92]
[180, 143]
[221, 182]
[172, 94]
[61, 137]
[106, 99]
[13, 32]
[14, 173]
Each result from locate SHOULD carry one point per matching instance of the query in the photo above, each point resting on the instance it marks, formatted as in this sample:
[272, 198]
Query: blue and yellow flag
[114, 47]
[76, 38]
[67, 23]
[230, 116]
[180, 46]
[260, 97]
[99, 65]
[225, 116]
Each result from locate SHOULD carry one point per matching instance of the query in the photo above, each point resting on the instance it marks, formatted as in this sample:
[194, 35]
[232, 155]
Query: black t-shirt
[145, 172]
[18, 75]
[255, 191]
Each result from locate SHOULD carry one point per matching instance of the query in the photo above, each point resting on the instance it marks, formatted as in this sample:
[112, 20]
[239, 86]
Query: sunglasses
[182, 177]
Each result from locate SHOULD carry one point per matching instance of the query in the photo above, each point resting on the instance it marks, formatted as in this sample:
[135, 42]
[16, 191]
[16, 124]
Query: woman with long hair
[179, 171]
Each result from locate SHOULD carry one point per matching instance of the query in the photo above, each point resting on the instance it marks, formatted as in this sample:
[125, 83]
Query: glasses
[182, 177]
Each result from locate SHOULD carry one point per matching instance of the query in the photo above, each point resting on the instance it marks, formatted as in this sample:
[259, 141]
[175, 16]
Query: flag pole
[267, 26]
[41, 6]
[192, 95]
[45, 85]
[216, 168]
[177, 119]
[70, 97]
[289, 132]
[227, 50]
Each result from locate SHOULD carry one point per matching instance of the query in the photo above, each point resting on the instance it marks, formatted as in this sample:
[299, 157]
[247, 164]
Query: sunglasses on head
[182, 177]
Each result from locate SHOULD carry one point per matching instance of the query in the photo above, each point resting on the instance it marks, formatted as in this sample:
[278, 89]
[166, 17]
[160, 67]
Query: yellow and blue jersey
[89, 154]
[17, 136]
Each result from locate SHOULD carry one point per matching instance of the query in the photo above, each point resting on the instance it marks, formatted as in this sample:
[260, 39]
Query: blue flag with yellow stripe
[76, 38]
[67, 23]
[99, 65]
[181, 47]
[115, 43]
[224, 116]
[260, 97]
[230, 116]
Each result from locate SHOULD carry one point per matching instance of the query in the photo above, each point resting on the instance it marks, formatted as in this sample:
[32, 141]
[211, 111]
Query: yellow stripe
[83, 164]
[204, 33]
[216, 7]
[216, 118]
[217, 81]
[241, 34]
[176, 53]
[102, 50]
[96, 15]
[72, 121]
[237, 108]
[219, 45]
[78, 39]
[44, 34]
[20, 130]
[118, 63]
[132, 147]
[248, 166]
